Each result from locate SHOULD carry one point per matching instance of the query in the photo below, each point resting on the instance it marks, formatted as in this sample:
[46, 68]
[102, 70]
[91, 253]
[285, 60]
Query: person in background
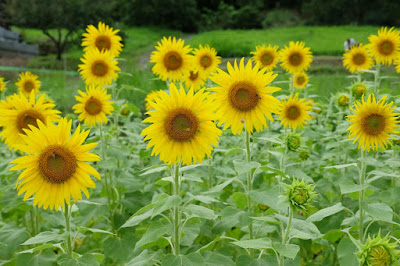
[349, 43]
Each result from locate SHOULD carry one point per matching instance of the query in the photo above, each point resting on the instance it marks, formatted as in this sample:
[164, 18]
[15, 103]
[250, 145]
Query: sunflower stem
[68, 229]
[177, 218]
[291, 84]
[377, 80]
[286, 235]
[363, 167]
[249, 187]
[210, 172]
[37, 224]
[282, 166]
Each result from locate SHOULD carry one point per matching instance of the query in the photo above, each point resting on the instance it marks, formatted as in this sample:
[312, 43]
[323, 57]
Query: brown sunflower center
[386, 47]
[93, 106]
[379, 256]
[373, 124]
[301, 80]
[193, 75]
[103, 42]
[243, 96]
[57, 164]
[181, 124]
[359, 59]
[99, 68]
[205, 61]
[28, 86]
[293, 112]
[28, 117]
[172, 60]
[295, 59]
[267, 59]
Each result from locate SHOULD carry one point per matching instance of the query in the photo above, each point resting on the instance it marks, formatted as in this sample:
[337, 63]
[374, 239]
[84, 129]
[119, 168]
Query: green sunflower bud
[358, 89]
[304, 154]
[293, 142]
[125, 110]
[300, 195]
[263, 207]
[342, 100]
[378, 251]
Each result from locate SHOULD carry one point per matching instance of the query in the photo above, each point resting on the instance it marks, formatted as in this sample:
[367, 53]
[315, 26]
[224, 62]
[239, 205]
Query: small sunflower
[55, 168]
[194, 79]
[28, 82]
[378, 251]
[266, 57]
[93, 106]
[23, 114]
[385, 46]
[171, 59]
[293, 112]
[182, 126]
[342, 100]
[2, 84]
[372, 123]
[98, 68]
[296, 58]
[300, 80]
[358, 89]
[205, 59]
[243, 97]
[151, 99]
[102, 38]
[357, 58]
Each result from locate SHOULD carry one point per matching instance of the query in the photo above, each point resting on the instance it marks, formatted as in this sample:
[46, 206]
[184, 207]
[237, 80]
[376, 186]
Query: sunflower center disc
[374, 124]
[99, 68]
[205, 61]
[379, 256]
[267, 59]
[93, 106]
[386, 47]
[359, 59]
[57, 164]
[181, 124]
[301, 80]
[293, 112]
[28, 86]
[29, 117]
[300, 196]
[172, 61]
[103, 42]
[243, 96]
[295, 59]
[193, 76]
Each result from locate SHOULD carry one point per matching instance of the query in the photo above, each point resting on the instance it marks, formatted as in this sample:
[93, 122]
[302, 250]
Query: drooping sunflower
[98, 68]
[266, 57]
[151, 99]
[293, 112]
[93, 106]
[28, 82]
[357, 58]
[194, 79]
[171, 59]
[296, 58]
[23, 113]
[385, 46]
[2, 84]
[56, 166]
[102, 38]
[182, 126]
[205, 59]
[300, 80]
[243, 97]
[372, 123]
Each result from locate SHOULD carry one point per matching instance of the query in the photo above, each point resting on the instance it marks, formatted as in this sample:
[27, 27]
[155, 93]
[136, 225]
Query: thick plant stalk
[249, 183]
[361, 196]
[177, 216]
[286, 234]
[377, 80]
[68, 229]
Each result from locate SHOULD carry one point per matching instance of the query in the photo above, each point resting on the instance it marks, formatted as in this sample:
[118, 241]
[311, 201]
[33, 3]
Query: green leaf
[273, 140]
[333, 235]
[166, 203]
[301, 225]
[94, 230]
[346, 252]
[41, 247]
[217, 259]
[379, 211]
[200, 211]
[269, 196]
[203, 199]
[154, 169]
[12, 236]
[45, 237]
[288, 250]
[261, 243]
[67, 260]
[240, 199]
[190, 232]
[340, 166]
[243, 167]
[229, 217]
[45, 258]
[144, 258]
[192, 259]
[142, 214]
[218, 188]
[273, 170]
[346, 188]
[367, 193]
[321, 214]
[154, 232]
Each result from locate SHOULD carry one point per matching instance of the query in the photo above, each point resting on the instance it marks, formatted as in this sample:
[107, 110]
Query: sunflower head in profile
[55, 166]
[358, 89]
[28, 82]
[102, 38]
[379, 251]
[243, 97]
[296, 58]
[300, 80]
[2, 84]
[182, 127]
[266, 57]
[372, 123]
[205, 59]
[194, 79]
[93, 106]
[385, 46]
[357, 58]
[151, 99]
[22, 114]
[98, 68]
[172, 59]
[293, 112]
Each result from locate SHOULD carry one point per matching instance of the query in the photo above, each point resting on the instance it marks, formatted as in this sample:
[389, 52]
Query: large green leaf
[154, 232]
[192, 259]
[379, 211]
[261, 243]
[321, 214]
[288, 250]
[200, 211]
[166, 204]
[85, 260]
[346, 252]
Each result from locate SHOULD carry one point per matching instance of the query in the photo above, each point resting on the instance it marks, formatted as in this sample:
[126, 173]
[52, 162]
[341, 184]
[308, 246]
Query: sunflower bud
[125, 110]
[378, 251]
[358, 89]
[304, 154]
[293, 142]
[263, 207]
[342, 100]
[300, 195]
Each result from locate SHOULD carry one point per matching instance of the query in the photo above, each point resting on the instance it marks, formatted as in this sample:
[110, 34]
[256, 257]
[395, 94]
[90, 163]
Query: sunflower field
[233, 162]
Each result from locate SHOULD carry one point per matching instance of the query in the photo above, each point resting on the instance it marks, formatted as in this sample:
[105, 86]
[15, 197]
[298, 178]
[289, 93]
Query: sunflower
[243, 97]
[98, 68]
[93, 106]
[385, 46]
[151, 99]
[171, 59]
[182, 126]
[300, 80]
[2, 84]
[55, 168]
[293, 112]
[28, 82]
[296, 57]
[357, 58]
[194, 79]
[266, 57]
[342, 100]
[23, 113]
[102, 38]
[206, 59]
[372, 123]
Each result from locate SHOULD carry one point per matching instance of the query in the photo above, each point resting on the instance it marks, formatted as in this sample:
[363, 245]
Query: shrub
[281, 18]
